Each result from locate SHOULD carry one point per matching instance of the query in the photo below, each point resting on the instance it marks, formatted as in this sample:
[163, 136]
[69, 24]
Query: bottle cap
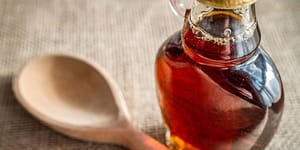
[227, 4]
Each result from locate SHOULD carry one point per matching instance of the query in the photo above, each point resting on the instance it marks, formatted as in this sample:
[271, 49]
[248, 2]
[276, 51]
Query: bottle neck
[224, 35]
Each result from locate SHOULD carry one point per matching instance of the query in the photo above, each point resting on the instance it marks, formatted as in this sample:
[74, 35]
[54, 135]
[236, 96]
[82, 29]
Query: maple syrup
[218, 93]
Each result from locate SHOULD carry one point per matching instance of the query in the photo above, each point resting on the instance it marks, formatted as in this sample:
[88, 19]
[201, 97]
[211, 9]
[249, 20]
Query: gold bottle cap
[227, 4]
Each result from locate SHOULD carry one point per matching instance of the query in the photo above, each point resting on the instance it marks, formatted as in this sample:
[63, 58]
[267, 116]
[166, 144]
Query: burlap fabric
[123, 37]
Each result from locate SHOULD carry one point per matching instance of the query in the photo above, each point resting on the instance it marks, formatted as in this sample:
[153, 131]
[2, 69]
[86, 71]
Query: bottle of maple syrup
[218, 89]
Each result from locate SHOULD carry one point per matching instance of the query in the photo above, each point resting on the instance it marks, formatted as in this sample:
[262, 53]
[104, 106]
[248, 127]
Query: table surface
[123, 37]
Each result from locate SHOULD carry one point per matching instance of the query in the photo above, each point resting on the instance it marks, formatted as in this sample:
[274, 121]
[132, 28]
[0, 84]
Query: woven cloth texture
[123, 36]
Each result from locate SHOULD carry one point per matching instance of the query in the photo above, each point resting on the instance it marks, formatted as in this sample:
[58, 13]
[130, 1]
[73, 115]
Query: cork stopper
[227, 4]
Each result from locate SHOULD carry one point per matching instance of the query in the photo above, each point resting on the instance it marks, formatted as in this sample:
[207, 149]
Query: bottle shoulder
[257, 78]
[263, 75]
[172, 46]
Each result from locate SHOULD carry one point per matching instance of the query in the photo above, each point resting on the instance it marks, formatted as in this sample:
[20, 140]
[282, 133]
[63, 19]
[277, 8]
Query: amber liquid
[213, 97]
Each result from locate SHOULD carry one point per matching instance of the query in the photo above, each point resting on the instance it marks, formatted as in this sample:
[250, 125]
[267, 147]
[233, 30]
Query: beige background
[123, 37]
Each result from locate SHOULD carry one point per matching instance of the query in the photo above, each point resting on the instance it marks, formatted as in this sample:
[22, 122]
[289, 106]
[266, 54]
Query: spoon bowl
[79, 99]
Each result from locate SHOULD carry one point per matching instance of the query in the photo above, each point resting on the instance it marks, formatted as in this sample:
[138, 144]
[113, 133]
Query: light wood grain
[80, 100]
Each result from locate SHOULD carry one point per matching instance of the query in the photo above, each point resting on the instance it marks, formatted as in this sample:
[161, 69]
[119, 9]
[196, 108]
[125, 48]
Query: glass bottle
[218, 89]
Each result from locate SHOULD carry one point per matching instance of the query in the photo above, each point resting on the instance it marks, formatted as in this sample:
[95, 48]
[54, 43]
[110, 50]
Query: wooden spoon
[80, 100]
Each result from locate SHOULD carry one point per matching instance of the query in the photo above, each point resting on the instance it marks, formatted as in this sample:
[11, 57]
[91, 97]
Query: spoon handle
[141, 141]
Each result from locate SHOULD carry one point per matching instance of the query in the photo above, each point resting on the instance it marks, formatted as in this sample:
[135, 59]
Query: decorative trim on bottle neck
[228, 37]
